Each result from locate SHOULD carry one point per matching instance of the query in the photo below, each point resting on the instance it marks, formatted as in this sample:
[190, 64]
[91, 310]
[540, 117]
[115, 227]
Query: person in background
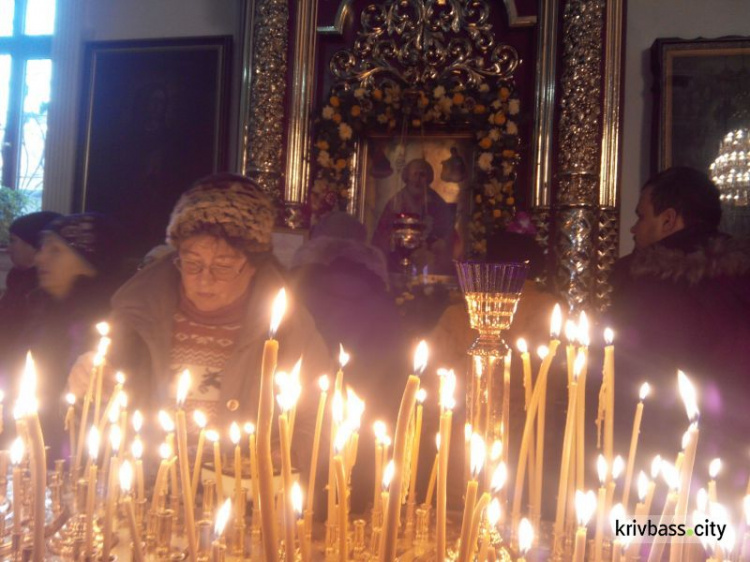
[78, 269]
[21, 281]
[681, 300]
[343, 282]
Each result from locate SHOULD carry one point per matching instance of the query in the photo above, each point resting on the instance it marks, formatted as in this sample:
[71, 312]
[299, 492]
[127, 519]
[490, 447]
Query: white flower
[345, 131]
[327, 112]
[382, 118]
[438, 92]
[507, 169]
[485, 161]
[484, 88]
[324, 159]
[494, 134]
[514, 106]
[359, 93]
[496, 104]
[511, 128]
[444, 104]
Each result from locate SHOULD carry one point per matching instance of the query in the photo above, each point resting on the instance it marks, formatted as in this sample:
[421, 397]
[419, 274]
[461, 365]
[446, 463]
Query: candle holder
[205, 528]
[359, 539]
[209, 499]
[163, 521]
[68, 542]
[237, 540]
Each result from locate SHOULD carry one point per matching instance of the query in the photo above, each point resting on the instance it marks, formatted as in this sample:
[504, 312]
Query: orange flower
[340, 164]
[504, 94]
[478, 198]
[485, 143]
[510, 201]
[500, 118]
[479, 109]
[334, 101]
[336, 118]
[356, 110]
[377, 94]
[509, 153]
[322, 145]
[458, 98]
[416, 122]
[497, 214]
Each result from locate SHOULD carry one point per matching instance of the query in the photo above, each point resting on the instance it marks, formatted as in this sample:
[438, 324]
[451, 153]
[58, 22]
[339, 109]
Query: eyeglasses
[218, 272]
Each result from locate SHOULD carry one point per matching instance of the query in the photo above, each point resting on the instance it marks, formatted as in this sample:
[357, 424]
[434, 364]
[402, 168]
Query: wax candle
[27, 405]
[585, 507]
[213, 436]
[338, 464]
[608, 382]
[217, 548]
[447, 403]
[580, 441]
[88, 398]
[123, 423]
[745, 548]
[295, 391]
[323, 384]
[617, 467]
[70, 422]
[16, 457]
[165, 452]
[672, 477]
[379, 429]
[713, 471]
[136, 449]
[390, 524]
[235, 434]
[416, 438]
[104, 342]
[689, 397]
[476, 520]
[250, 430]
[640, 511]
[528, 388]
[525, 538]
[93, 446]
[433, 473]
[113, 476]
[601, 503]
[200, 420]
[337, 418]
[126, 481]
[183, 387]
[265, 422]
[285, 401]
[644, 392]
[304, 547]
[477, 461]
[354, 410]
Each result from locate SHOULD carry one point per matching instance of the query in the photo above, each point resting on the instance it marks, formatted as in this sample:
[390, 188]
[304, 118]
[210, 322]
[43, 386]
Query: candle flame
[746, 509]
[126, 476]
[70, 398]
[249, 428]
[583, 329]
[525, 534]
[166, 422]
[380, 431]
[609, 336]
[297, 499]
[355, 407]
[277, 312]
[120, 378]
[493, 513]
[645, 391]
[555, 322]
[601, 469]
[437, 441]
[542, 351]
[115, 437]
[468, 432]
[235, 433]
[122, 400]
[447, 389]
[685, 439]
[223, 516]
[579, 363]
[212, 435]
[701, 500]
[522, 346]
[496, 451]
[165, 451]
[499, 477]
[420, 357]
[323, 383]
[103, 329]
[689, 396]
[714, 468]
[137, 421]
[102, 348]
[288, 391]
[617, 514]
[390, 468]
[617, 467]
[585, 507]
[342, 436]
[343, 357]
[670, 474]
[571, 331]
[114, 413]
[337, 407]
[137, 448]
[642, 485]
[27, 403]
[93, 442]
[183, 386]
[655, 466]
[16, 451]
[200, 419]
[478, 452]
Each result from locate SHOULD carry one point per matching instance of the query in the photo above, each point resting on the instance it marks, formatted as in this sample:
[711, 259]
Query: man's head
[672, 200]
[418, 175]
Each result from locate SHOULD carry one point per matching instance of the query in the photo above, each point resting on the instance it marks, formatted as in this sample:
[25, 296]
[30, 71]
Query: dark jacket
[684, 303]
[15, 314]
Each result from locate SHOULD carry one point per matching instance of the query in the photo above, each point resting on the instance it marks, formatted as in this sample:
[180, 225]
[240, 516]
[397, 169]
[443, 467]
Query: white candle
[713, 472]
[447, 403]
[16, 457]
[478, 452]
[672, 477]
[644, 392]
[200, 420]
[323, 383]
[126, 480]
[93, 445]
[525, 538]
[187, 495]
[585, 507]
[601, 469]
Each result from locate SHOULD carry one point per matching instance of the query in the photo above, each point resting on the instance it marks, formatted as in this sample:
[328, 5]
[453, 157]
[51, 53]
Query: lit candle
[546, 357]
[323, 383]
[640, 510]
[379, 429]
[655, 470]
[93, 446]
[27, 405]
[580, 442]
[338, 465]
[123, 423]
[608, 395]
[493, 516]
[235, 434]
[745, 549]
[126, 481]
[354, 410]
[286, 403]
[618, 514]
[213, 436]
[136, 448]
[713, 472]
[644, 392]
[617, 467]
[390, 523]
[528, 388]
[250, 430]
[689, 397]
[104, 342]
[183, 387]
[568, 437]
[476, 520]
[433, 473]
[264, 426]
[16, 457]
[304, 548]
[525, 538]
[200, 420]
[168, 426]
[70, 421]
[416, 438]
[295, 390]
[88, 398]
[113, 402]
[447, 403]
[2, 426]
[165, 452]
[337, 418]
[112, 485]
[478, 452]
[218, 550]
[585, 507]
[601, 469]
[672, 477]
[570, 349]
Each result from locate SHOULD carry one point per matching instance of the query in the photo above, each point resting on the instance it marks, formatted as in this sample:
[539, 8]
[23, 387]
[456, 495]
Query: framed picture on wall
[154, 119]
[702, 90]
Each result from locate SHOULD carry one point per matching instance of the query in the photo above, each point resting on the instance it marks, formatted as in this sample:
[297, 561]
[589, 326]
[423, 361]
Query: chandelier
[730, 170]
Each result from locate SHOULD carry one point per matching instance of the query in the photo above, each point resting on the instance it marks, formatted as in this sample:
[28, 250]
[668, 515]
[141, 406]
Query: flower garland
[490, 113]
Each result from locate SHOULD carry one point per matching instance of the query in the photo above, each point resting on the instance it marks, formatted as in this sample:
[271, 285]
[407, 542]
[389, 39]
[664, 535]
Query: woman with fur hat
[206, 305]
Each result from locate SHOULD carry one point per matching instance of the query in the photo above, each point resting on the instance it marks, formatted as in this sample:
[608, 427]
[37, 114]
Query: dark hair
[689, 192]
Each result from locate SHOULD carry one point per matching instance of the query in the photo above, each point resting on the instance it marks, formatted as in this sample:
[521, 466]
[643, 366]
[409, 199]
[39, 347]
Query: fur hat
[28, 227]
[228, 205]
[91, 235]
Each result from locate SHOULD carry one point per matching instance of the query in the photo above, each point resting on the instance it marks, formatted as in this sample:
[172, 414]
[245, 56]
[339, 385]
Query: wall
[95, 20]
[646, 21]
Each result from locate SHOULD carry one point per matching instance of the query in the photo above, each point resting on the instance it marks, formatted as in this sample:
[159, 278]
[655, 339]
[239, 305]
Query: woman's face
[58, 266]
[214, 274]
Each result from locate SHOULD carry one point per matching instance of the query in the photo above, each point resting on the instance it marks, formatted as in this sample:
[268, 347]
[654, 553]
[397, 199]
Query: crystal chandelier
[731, 169]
